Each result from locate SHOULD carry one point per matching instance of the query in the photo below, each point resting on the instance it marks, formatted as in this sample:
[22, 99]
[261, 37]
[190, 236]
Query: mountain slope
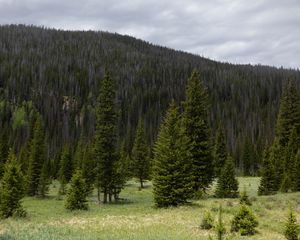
[58, 73]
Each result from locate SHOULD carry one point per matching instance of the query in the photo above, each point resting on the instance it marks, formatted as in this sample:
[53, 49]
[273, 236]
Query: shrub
[244, 221]
[207, 221]
[291, 231]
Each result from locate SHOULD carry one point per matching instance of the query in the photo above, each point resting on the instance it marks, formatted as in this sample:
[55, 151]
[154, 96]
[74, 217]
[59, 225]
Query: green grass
[137, 218]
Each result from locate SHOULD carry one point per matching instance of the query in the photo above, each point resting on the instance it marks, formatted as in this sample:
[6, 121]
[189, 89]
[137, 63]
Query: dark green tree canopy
[172, 177]
[197, 129]
[227, 185]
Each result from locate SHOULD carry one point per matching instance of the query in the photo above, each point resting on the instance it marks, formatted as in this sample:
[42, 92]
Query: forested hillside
[57, 73]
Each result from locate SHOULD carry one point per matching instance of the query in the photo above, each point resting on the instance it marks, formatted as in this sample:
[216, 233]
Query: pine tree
[197, 129]
[220, 228]
[277, 158]
[292, 230]
[11, 189]
[268, 182]
[227, 185]
[77, 195]
[88, 167]
[247, 158]
[65, 169]
[244, 221]
[244, 198]
[296, 172]
[140, 155]
[4, 149]
[37, 158]
[220, 152]
[289, 113]
[171, 170]
[105, 138]
[44, 181]
[289, 177]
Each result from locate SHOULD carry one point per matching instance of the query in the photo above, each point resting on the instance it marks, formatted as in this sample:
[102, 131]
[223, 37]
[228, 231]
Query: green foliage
[244, 221]
[296, 172]
[19, 118]
[289, 113]
[105, 137]
[171, 169]
[88, 167]
[268, 182]
[207, 221]
[291, 231]
[77, 194]
[140, 154]
[37, 158]
[44, 181]
[248, 158]
[11, 189]
[227, 185]
[198, 131]
[4, 149]
[244, 198]
[220, 152]
[220, 228]
[65, 169]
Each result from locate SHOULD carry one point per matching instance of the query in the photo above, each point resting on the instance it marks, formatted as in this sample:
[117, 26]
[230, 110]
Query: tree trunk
[105, 196]
[142, 184]
[98, 194]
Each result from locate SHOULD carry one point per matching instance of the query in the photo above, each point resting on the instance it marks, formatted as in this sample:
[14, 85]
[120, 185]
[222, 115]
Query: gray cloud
[258, 31]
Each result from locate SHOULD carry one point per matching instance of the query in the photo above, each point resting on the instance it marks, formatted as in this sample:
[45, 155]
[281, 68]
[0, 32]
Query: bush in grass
[244, 221]
[207, 221]
[291, 231]
[77, 194]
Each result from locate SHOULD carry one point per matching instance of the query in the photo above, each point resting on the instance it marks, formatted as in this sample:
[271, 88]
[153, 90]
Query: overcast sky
[238, 31]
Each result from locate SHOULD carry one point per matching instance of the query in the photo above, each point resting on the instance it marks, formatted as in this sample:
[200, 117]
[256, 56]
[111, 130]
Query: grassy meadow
[136, 218]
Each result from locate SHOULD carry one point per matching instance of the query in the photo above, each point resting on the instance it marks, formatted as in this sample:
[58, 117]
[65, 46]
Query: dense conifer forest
[55, 75]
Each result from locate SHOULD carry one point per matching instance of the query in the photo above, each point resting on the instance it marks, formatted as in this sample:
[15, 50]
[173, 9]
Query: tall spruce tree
[197, 129]
[105, 138]
[12, 188]
[247, 158]
[37, 157]
[220, 152]
[268, 182]
[140, 156]
[227, 185]
[289, 113]
[172, 183]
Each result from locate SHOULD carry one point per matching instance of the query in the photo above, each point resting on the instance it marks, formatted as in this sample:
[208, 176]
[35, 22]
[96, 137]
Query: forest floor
[136, 218]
